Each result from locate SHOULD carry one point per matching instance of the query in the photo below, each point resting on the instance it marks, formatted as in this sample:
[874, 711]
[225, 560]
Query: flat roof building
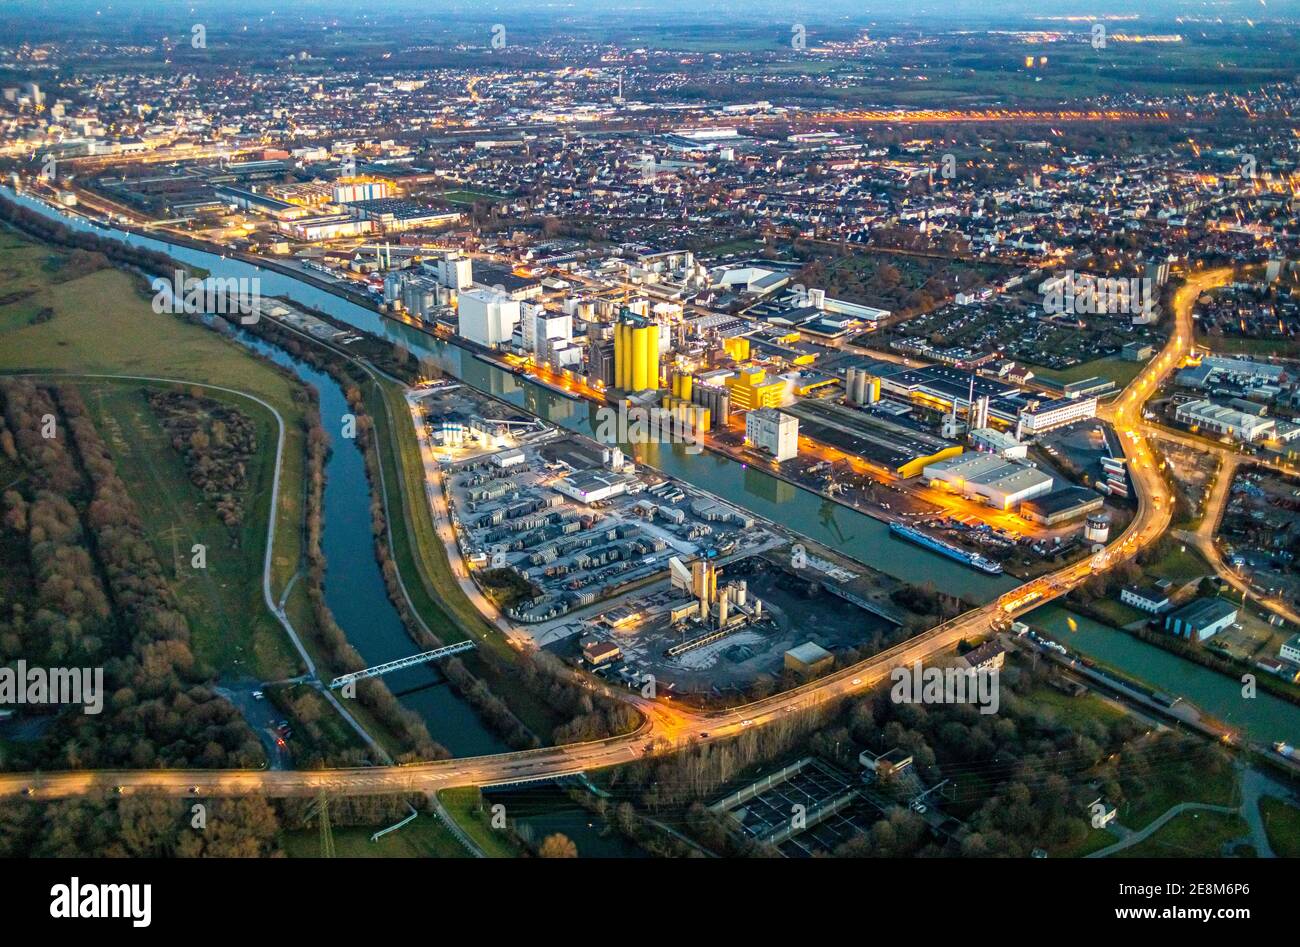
[1240, 425]
[1061, 506]
[1201, 618]
[901, 450]
[1002, 484]
[809, 658]
[1042, 416]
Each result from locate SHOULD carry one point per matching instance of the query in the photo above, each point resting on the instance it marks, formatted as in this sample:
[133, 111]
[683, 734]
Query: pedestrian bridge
[422, 658]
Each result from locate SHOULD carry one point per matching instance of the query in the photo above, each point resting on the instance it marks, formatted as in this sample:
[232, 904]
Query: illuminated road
[668, 725]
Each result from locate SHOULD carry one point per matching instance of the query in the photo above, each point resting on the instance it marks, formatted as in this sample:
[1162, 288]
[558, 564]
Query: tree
[558, 846]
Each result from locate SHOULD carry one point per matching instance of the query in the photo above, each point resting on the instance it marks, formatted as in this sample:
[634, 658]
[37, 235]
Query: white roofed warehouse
[1000, 483]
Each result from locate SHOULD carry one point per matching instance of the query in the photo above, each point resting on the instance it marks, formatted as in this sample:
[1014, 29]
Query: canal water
[1263, 717]
[854, 534]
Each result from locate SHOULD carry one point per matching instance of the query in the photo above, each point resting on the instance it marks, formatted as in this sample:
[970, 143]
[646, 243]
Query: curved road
[667, 725]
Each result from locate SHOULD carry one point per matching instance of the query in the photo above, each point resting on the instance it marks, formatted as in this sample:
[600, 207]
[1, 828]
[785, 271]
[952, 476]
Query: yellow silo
[640, 358]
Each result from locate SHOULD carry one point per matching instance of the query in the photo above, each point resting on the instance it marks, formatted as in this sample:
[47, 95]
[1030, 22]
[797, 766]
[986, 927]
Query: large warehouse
[901, 450]
[999, 483]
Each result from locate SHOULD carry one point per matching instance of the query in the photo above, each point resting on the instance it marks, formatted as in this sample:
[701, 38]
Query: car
[119, 789]
[857, 681]
[746, 723]
[704, 735]
[919, 807]
[258, 695]
[194, 790]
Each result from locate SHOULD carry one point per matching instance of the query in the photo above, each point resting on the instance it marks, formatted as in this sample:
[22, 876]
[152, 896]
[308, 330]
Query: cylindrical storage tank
[620, 356]
[687, 386]
[640, 359]
[652, 348]
[860, 388]
[850, 381]
[1097, 527]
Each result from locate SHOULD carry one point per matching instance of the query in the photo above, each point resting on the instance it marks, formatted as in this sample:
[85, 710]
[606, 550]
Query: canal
[1263, 717]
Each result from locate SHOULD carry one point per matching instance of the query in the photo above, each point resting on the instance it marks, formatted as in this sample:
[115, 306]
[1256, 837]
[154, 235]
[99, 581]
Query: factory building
[452, 269]
[809, 659]
[352, 191]
[903, 451]
[751, 389]
[1207, 416]
[1062, 506]
[1039, 417]
[1000, 483]
[861, 387]
[993, 441]
[1201, 618]
[487, 316]
[600, 364]
[773, 431]
[636, 353]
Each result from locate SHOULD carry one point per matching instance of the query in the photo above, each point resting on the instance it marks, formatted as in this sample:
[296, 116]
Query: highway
[668, 725]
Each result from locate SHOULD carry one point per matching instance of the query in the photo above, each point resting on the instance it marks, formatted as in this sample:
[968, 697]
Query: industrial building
[941, 388]
[750, 389]
[1062, 506]
[394, 214]
[992, 441]
[1219, 419]
[636, 353]
[1039, 417]
[1147, 599]
[809, 659]
[903, 451]
[487, 317]
[1000, 483]
[773, 431]
[1201, 618]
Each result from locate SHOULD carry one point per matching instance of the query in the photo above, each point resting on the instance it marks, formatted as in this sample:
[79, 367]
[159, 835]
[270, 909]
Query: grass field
[1190, 835]
[1218, 790]
[424, 838]
[1074, 712]
[103, 323]
[223, 601]
[1117, 613]
[1233, 345]
[461, 805]
[421, 555]
[1282, 823]
[1182, 565]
